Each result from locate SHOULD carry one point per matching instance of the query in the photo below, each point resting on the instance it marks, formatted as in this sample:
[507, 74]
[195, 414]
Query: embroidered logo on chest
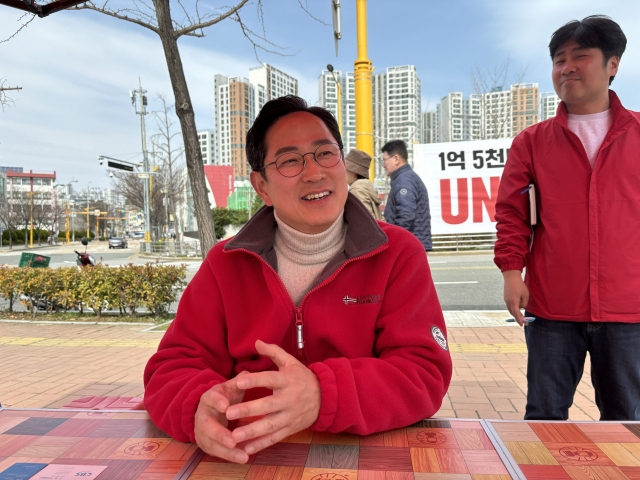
[439, 337]
[364, 299]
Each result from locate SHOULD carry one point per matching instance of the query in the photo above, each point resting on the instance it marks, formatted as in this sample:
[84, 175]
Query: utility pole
[362, 79]
[31, 215]
[88, 196]
[142, 112]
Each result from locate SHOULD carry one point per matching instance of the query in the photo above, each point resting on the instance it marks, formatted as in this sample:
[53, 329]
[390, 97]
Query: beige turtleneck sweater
[302, 256]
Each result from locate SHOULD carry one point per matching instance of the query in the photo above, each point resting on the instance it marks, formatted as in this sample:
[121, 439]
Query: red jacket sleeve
[184, 367]
[512, 208]
[411, 374]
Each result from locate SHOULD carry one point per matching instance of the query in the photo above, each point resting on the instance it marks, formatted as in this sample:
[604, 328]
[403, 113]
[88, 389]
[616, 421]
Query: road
[467, 282]
[63, 256]
[463, 281]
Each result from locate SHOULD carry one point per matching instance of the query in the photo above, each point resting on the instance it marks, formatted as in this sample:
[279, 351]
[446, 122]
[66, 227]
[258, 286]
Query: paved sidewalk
[48, 365]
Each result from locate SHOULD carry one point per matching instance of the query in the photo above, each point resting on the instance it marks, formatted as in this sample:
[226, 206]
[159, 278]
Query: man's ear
[613, 64]
[260, 185]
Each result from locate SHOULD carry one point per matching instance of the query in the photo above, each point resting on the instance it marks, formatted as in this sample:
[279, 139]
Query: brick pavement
[45, 365]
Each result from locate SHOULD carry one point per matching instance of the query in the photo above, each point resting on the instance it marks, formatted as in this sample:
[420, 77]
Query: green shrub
[126, 288]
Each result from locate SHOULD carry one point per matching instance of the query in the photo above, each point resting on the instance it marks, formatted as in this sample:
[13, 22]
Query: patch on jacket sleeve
[403, 191]
[439, 337]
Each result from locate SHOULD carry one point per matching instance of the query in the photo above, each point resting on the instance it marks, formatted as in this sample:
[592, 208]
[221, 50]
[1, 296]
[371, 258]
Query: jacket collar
[363, 233]
[403, 168]
[621, 116]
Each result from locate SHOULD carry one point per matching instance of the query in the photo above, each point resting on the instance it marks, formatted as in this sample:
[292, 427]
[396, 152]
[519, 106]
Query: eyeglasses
[291, 164]
[388, 158]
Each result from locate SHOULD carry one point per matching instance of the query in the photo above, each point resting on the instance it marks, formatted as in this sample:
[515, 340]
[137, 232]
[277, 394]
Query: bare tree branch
[200, 25]
[117, 14]
[23, 26]
[306, 9]
[6, 100]
[252, 36]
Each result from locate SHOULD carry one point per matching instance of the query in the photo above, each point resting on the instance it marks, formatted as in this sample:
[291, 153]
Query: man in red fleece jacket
[314, 315]
[582, 282]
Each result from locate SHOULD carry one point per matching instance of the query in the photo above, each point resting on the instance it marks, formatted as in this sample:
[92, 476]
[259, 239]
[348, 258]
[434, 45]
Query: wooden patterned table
[61, 444]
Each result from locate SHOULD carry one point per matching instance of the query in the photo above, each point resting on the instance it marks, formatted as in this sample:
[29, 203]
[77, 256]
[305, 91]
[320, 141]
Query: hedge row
[18, 235]
[126, 288]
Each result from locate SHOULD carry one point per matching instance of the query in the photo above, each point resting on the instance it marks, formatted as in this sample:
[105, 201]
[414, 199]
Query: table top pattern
[118, 445]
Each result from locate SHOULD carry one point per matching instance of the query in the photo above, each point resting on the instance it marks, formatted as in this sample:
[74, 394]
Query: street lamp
[330, 68]
[142, 112]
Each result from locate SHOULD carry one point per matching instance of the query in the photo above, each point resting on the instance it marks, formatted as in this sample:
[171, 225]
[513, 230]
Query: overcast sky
[76, 68]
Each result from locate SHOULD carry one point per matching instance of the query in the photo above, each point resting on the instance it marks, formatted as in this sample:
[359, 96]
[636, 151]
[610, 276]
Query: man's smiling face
[581, 76]
[311, 201]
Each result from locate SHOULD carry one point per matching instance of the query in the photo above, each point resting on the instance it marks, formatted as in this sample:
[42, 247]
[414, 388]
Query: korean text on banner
[462, 179]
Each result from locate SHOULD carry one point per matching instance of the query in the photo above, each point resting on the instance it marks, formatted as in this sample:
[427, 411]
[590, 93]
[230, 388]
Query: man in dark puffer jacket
[408, 201]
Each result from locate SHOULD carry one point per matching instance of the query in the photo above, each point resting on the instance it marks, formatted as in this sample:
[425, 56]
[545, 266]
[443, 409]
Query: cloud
[523, 32]
[76, 69]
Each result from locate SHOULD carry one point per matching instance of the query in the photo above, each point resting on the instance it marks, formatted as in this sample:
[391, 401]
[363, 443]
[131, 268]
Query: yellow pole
[362, 81]
[97, 227]
[88, 233]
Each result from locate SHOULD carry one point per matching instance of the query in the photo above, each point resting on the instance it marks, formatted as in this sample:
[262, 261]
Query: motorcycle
[84, 259]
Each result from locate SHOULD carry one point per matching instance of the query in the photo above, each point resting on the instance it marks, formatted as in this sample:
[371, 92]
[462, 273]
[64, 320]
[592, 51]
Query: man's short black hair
[596, 31]
[396, 147]
[272, 111]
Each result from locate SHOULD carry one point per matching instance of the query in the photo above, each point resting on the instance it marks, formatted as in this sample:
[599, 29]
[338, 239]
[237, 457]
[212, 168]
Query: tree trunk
[185, 113]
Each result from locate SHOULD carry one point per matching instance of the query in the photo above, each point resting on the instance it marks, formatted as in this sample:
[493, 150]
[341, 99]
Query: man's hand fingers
[215, 399]
[275, 353]
[268, 439]
[255, 408]
[271, 380]
[214, 438]
[214, 447]
[513, 307]
[265, 426]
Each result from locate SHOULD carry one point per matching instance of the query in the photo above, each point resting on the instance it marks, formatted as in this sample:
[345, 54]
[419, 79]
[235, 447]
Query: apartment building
[524, 106]
[206, 139]
[237, 102]
[270, 83]
[404, 106]
[429, 127]
[549, 102]
[380, 107]
[450, 113]
[234, 113]
[496, 113]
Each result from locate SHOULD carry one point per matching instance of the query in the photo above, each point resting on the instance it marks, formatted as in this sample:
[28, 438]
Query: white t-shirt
[591, 130]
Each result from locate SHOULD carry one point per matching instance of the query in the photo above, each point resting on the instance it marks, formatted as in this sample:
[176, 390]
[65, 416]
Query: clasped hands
[294, 406]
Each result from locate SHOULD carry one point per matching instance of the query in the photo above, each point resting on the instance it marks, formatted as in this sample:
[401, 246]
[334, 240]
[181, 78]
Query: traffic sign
[143, 175]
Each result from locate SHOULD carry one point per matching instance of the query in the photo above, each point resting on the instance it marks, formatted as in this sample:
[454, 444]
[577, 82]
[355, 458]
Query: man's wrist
[512, 275]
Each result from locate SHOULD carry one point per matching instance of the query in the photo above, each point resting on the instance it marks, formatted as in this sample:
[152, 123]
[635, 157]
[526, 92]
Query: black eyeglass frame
[304, 160]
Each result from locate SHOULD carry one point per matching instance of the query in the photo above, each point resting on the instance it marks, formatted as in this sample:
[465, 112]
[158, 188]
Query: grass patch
[114, 317]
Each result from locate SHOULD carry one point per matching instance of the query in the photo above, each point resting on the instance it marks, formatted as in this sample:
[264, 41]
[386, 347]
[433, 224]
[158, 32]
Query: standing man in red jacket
[314, 315]
[582, 258]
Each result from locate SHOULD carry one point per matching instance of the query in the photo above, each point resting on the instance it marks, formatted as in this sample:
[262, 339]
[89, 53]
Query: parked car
[118, 242]
[137, 234]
